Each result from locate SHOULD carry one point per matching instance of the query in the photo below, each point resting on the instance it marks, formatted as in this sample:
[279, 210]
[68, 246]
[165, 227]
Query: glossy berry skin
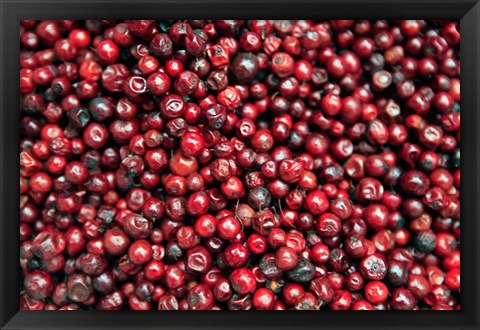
[200, 297]
[76, 172]
[263, 299]
[198, 260]
[233, 188]
[316, 202]
[376, 292]
[108, 51]
[192, 144]
[356, 246]
[245, 67]
[414, 182]
[136, 226]
[376, 216]
[79, 287]
[374, 267]
[257, 244]
[282, 64]
[116, 241]
[286, 258]
[95, 136]
[402, 299]
[206, 225]
[140, 252]
[228, 227]
[47, 245]
[158, 83]
[38, 284]
[243, 281]
[80, 37]
[328, 225]
[240, 165]
[40, 182]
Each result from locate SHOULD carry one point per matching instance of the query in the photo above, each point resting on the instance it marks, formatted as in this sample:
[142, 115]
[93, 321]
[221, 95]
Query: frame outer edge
[470, 162]
[3, 243]
[16, 323]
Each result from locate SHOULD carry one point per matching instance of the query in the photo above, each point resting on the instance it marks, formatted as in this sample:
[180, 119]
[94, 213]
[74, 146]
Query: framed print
[239, 164]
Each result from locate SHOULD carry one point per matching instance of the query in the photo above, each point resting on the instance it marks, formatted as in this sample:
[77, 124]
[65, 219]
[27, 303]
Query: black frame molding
[11, 11]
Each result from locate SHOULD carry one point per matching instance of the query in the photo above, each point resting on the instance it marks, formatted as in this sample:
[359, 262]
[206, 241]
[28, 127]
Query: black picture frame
[468, 11]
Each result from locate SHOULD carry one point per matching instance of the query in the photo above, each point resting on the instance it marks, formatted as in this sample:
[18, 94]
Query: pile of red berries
[239, 165]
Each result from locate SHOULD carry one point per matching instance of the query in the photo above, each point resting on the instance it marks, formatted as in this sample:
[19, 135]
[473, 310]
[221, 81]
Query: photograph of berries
[239, 165]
